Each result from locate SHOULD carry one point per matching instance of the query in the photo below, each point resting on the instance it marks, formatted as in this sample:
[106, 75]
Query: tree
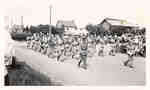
[34, 29]
[92, 29]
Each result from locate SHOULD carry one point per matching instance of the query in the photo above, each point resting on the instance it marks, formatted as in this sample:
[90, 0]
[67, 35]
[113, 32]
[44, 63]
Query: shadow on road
[23, 75]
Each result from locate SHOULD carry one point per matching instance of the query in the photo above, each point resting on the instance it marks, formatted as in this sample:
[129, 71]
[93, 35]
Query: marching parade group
[81, 47]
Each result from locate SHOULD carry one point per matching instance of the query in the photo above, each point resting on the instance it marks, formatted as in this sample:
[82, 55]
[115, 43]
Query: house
[68, 25]
[17, 28]
[113, 25]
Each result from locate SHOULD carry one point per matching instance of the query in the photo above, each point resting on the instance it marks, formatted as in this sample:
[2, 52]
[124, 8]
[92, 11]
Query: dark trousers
[129, 62]
[83, 60]
[6, 80]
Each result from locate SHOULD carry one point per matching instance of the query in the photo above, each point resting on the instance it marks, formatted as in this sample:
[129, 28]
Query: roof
[66, 23]
[119, 22]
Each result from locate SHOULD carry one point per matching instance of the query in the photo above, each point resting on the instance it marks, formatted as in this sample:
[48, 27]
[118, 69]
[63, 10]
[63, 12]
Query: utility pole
[11, 24]
[6, 22]
[50, 28]
[21, 20]
[22, 26]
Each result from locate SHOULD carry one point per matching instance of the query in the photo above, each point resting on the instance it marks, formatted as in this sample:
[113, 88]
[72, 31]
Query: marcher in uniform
[83, 53]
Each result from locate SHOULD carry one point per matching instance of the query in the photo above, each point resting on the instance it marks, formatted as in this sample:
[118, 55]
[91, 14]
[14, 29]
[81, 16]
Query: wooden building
[118, 25]
[68, 25]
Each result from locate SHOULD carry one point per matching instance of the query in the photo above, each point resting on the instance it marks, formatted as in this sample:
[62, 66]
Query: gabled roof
[119, 22]
[66, 23]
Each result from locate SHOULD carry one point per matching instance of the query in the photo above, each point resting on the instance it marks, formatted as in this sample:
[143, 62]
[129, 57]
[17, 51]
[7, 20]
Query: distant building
[110, 24]
[68, 25]
[14, 23]
[17, 28]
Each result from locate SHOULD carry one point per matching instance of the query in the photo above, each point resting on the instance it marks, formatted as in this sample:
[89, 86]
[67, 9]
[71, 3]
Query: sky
[82, 11]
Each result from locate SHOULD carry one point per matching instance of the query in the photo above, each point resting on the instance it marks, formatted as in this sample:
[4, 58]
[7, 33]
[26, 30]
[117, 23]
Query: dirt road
[108, 70]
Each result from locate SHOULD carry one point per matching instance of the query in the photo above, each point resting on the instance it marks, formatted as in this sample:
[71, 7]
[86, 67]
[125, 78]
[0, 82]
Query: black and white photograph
[74, 43]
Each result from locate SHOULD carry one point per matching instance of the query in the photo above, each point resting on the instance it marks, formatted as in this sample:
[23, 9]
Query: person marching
[28, 41]
[83, 53]
[75, 48]
[131, 53]
[60, 56]
[101, 49]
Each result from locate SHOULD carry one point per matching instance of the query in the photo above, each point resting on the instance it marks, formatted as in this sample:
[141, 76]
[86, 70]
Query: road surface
[108, 70]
